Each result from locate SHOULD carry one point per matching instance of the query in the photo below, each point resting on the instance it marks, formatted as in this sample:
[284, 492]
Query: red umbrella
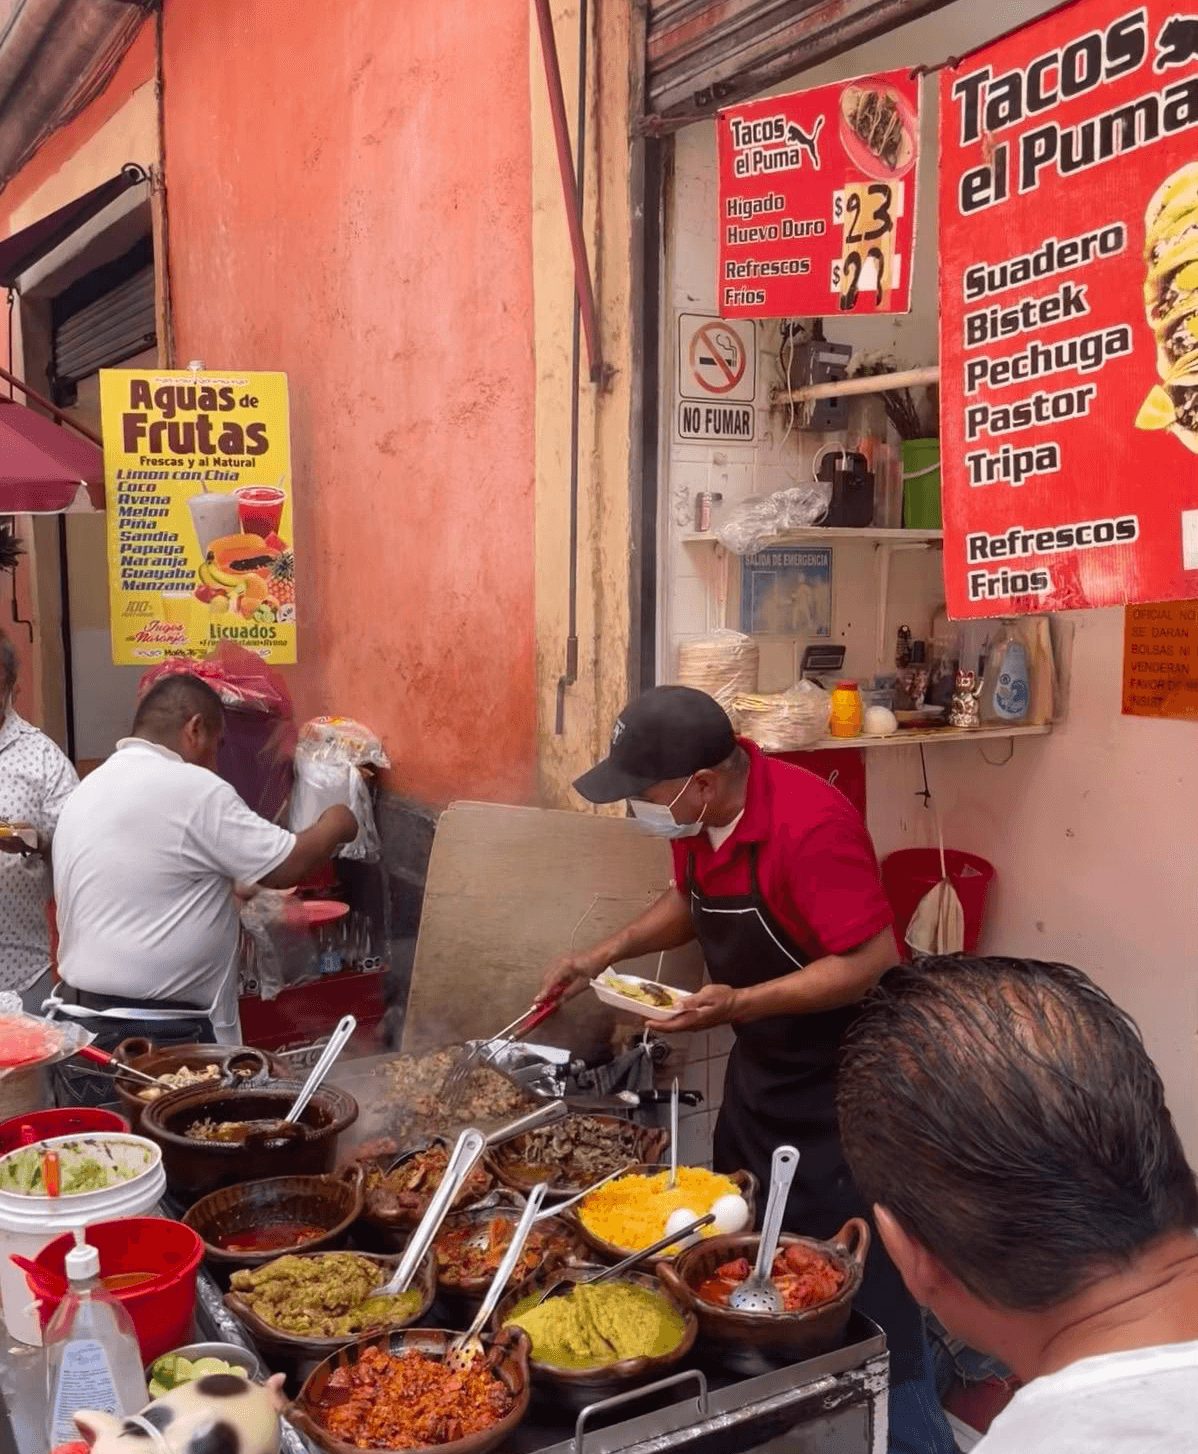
[43, 466]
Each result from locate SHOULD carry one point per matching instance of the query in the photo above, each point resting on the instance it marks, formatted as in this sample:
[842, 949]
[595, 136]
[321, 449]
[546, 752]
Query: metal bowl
[507, 1355]
[298, 1354]
[195, 1168]
[462, 1297]
[796, 1335]
[333, 1202]
[384, 1225]
[504, 1159]
[249, 1363]
[574, 1388]
[744, 1181]
[235, 1061]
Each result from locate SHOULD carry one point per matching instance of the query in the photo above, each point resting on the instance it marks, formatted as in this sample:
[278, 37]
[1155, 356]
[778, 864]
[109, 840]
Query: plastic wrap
[751, 525]
[785, 721]
[278, 956]
[241, 680]
[329, 758]
[724, 665]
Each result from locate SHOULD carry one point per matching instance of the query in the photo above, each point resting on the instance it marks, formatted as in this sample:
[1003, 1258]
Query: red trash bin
[911, 872]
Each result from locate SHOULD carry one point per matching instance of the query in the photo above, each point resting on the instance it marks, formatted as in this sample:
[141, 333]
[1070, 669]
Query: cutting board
[511, 889]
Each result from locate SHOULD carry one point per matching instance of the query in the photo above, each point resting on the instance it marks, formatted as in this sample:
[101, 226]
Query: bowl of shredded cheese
[631, 1212]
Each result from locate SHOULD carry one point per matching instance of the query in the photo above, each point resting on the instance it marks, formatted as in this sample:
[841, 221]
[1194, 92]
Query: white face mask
[654, 819]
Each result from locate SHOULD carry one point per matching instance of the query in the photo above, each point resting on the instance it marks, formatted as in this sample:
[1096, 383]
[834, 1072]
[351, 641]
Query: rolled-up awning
[44, 468]
[22, 249]
[55, 59]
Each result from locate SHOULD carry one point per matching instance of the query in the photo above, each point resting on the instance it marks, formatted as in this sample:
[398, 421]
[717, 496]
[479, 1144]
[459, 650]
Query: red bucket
[911, 872]
[70, 1121]
[161, 1310]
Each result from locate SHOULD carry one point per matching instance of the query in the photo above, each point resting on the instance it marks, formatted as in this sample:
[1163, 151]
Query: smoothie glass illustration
[260, 508]
[212, 516]
[182, 610]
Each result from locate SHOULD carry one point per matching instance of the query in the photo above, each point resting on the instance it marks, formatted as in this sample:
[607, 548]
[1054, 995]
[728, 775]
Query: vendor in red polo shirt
[775, 875]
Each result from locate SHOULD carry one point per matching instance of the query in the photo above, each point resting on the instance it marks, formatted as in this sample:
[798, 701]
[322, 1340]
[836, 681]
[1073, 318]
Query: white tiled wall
[706, 1064]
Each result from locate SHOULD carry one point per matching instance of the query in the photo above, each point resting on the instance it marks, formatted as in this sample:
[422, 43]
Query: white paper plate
[603, 987]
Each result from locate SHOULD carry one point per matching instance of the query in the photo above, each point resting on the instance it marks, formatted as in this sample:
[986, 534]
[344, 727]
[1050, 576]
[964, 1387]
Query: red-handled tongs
[455, 1082]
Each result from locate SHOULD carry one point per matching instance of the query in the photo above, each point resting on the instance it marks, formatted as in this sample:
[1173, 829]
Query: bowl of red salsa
[256, 1221]
[816, 1280]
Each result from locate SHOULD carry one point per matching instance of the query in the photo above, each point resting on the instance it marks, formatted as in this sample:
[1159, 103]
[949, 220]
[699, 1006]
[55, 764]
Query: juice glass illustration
[212, 516]
[184, 611]
[260, 508]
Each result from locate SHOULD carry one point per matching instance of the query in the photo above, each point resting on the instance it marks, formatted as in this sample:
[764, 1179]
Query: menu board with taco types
[1069, 313]
[817, 200]
[197, 473]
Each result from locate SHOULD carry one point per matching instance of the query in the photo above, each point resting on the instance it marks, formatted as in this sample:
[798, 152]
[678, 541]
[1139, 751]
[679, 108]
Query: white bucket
[28, 1221]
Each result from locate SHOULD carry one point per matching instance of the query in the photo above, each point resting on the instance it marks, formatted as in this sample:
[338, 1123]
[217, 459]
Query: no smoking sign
[717, 359]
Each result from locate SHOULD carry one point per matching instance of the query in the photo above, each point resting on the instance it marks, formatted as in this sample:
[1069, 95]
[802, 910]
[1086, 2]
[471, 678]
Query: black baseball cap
[668, 733]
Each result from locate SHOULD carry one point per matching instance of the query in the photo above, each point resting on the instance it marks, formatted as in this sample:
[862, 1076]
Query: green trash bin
[921, 484]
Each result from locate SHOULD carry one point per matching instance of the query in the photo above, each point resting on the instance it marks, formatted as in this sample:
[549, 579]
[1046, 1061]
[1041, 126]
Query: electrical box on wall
[818, 362]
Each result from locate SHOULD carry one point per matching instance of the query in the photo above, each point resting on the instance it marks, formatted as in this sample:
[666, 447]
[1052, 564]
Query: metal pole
[64, 595]
[561, 135]
[44, 403]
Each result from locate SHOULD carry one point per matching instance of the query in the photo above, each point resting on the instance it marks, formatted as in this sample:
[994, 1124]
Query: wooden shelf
[832, 532]
[913, 736]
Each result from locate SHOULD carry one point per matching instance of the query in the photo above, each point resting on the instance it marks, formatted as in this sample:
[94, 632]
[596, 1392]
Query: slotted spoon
[758, 1293]
[464, 1349]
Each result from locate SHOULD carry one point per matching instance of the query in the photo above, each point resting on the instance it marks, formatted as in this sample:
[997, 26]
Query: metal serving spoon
[464, 1349]
[758, 1294]
[462, 1162]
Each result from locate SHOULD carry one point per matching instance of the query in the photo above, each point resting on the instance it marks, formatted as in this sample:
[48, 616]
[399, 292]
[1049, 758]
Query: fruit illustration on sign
[248, 575]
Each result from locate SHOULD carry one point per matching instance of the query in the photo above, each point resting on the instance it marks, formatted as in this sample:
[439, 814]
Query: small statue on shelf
[965, 710]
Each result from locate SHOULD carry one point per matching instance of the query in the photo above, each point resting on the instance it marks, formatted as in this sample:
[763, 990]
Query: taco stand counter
[833, 1404]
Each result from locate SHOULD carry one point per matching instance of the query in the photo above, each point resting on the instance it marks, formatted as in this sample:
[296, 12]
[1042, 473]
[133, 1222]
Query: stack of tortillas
[724, 665]
[1171, 302]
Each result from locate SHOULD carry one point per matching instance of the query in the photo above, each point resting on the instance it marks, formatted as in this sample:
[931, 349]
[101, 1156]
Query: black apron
[781, 1088]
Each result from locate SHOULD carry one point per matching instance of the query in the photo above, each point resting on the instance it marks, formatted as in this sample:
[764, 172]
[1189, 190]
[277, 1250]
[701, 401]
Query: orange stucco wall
[349, 194]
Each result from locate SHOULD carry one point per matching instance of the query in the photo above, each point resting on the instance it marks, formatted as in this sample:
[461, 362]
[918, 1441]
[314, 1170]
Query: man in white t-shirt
[146, 856]
[1006, 1123]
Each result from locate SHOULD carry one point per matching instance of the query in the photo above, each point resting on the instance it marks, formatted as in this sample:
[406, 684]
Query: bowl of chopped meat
[179, 1066]
[470, 1247]
[396, 1393]
[816, 1280]
[575, 1153]
[397, 1193]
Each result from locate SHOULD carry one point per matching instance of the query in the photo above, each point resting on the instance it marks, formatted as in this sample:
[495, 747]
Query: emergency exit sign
[715, 423]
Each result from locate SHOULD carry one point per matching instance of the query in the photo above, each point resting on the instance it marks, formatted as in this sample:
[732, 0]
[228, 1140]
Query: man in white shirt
[146, 856]
[1006, 1123]
[35, 781]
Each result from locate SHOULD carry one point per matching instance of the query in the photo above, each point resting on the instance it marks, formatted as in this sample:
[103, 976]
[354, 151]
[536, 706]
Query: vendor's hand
[715, 1004]
[341, 822]
[571, 974]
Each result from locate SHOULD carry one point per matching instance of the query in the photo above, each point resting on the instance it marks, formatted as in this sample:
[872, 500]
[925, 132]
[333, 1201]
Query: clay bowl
[195, 1168]
[794, 1336]
[298, 1355]
[504, 1161]
[574, 1388]
[507, 1355]
[386, 1223]
[235, 1061]
[333, 1202]
[463, 1296]
[744, 1181]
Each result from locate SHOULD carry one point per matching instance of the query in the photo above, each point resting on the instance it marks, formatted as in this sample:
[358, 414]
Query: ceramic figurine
[221, 1413]
[965, 711]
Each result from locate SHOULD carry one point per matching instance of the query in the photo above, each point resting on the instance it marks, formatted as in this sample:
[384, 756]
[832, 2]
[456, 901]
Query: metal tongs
[454, 1087]
[462, 1162]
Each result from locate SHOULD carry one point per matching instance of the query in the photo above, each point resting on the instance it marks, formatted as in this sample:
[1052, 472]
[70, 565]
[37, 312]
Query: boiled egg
[731, 1213]
[679, 1219]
